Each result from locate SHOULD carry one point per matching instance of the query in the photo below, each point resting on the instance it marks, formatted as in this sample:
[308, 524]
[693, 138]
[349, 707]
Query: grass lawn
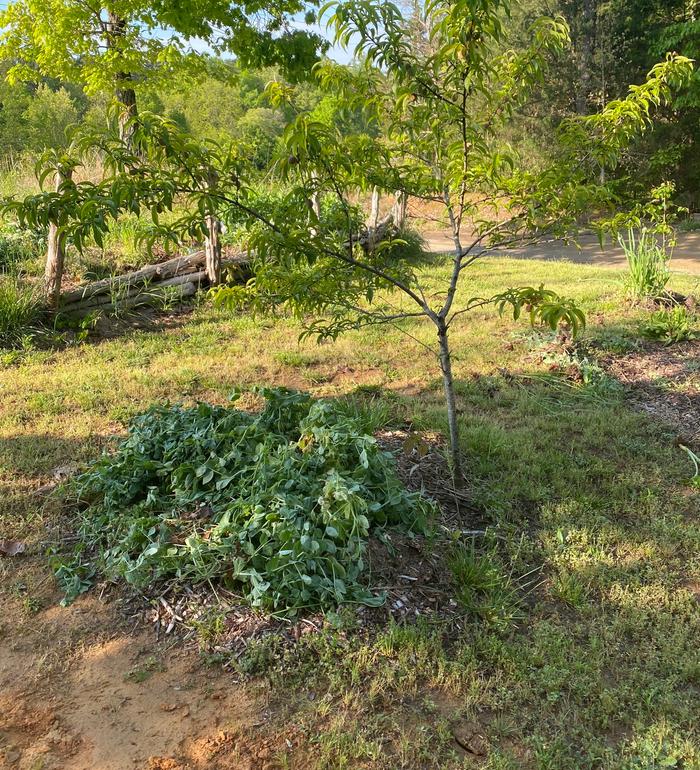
[589, 495]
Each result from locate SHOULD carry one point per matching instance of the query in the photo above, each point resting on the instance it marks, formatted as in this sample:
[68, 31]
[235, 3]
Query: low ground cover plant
[669, 326]
[277, 504]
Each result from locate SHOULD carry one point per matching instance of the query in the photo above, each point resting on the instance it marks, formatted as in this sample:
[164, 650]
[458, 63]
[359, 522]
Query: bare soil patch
[79, 690]
[664, 382]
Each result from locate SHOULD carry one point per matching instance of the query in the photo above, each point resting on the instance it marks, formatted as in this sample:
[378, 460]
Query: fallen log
[147, 274]
[137, 295]
[144, 286]
[182, 265]
[140, 300]
[111, 291]
[186, 287]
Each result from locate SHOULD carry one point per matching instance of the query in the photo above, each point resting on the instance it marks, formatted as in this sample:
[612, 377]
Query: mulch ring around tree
[664, 382]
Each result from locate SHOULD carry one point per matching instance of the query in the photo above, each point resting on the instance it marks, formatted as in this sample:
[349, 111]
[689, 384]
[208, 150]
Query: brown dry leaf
[11, 547]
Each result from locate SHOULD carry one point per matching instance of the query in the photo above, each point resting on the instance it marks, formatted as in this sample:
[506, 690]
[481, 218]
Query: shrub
[49, 117]
[19, 308]
[689, 225]
[669, 326]
[283, 204]
[277, 505]
[648, 263]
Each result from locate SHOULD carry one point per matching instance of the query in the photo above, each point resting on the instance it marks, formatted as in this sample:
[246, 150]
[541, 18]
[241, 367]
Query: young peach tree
[441, 87]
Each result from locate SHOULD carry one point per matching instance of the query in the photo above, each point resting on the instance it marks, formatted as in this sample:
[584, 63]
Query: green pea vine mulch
[277, 505]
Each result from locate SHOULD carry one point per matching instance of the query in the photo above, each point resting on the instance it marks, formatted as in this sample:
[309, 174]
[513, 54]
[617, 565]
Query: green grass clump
[19, 308]
[16, 249]
[482, 589]
[647, 260]
[277, 504]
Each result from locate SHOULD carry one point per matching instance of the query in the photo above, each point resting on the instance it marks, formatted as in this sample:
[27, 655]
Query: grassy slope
[604, 670]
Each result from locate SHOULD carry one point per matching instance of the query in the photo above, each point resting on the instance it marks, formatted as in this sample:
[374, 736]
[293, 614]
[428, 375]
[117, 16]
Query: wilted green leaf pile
[277, 504]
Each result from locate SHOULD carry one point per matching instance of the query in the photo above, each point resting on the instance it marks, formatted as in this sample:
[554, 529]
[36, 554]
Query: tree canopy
[124, 44]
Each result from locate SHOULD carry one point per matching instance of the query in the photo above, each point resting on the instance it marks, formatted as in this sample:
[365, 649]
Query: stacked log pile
[173, 280]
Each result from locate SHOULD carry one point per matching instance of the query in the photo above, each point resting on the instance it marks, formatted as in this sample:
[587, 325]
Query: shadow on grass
[32, 466]
[603, 671]
[64, 332]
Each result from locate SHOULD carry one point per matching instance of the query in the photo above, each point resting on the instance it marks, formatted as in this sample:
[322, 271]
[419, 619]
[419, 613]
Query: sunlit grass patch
[593, 530]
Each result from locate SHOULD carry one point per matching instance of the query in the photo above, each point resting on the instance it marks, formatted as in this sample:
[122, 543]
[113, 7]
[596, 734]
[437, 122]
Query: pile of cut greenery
[277, 505]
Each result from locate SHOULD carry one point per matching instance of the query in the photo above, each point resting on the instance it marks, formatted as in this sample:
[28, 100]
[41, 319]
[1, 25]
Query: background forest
[614, 43]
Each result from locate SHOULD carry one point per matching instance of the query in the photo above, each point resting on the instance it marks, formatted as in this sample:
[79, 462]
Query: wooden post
[400, 209]
[56, 253]
[373, 220]
[212, 249]
[212, 242]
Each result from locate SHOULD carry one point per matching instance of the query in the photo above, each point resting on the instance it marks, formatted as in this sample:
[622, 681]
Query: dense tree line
[223, 105]
[613, 43]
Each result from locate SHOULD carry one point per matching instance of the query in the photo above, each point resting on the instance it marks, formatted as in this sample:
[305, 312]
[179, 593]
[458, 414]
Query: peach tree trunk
[56, 253]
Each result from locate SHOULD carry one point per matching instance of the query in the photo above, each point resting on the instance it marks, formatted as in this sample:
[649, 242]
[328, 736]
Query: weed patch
[484, 590]
[669, 326]
[18, 310]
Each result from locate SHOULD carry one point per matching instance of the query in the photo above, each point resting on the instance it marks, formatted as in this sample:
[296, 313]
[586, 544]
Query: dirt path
[80, 689]
[686, 257]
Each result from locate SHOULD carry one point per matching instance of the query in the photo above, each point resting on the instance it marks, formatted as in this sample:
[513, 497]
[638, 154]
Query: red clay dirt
[79, 690]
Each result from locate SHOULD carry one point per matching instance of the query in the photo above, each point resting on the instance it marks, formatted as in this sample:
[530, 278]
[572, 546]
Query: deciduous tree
[115, 47]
